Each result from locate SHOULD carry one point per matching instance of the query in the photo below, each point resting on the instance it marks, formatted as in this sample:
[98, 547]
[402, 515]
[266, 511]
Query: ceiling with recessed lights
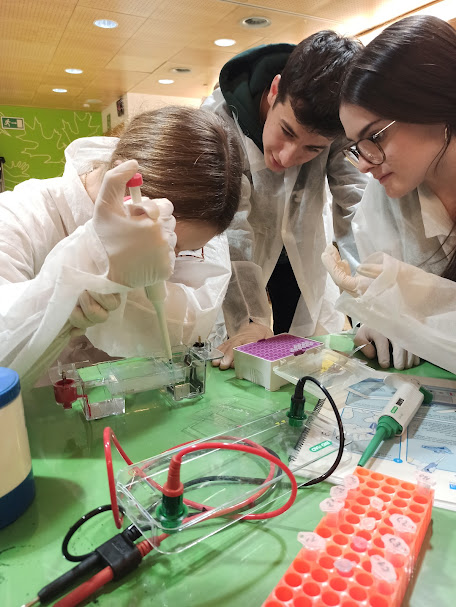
[40, 39]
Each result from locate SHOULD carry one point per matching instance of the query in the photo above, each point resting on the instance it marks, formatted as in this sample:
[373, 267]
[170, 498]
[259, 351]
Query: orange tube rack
[353, 566]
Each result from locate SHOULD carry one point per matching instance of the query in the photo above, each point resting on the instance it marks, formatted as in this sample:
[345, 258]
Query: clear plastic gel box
[333, 370]
[101, 388]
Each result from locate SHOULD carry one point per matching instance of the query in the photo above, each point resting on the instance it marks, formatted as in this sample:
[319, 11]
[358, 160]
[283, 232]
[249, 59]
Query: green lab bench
[236, 567]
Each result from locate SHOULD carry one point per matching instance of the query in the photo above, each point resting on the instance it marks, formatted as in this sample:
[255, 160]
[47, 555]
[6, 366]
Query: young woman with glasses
[399, 110]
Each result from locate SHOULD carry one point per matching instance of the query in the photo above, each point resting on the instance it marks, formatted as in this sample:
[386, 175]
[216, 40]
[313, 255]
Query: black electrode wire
[130, 532]
[234, 479]
[133, 533]
[90, 561]
[299, 393]
[240, 480]
[226, 479]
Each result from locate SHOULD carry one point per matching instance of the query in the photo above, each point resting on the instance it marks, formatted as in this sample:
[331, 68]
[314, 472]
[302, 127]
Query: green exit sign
[12, 123]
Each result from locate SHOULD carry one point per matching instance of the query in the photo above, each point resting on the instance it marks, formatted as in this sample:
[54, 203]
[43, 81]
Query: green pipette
[398, 413]
[387, 427]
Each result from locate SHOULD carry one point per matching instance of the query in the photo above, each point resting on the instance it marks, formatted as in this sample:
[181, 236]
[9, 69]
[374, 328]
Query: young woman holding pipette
[74, 262]
[399, 109]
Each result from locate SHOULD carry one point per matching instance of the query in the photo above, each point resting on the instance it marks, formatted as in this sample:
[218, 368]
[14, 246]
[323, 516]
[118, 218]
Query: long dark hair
[408, 74]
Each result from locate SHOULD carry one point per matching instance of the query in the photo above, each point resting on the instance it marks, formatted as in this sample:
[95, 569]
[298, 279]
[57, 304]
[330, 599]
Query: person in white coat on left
[72, 260]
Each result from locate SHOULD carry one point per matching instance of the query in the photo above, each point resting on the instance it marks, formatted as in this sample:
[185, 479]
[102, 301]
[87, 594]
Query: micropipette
[156, 293]
[398, 412]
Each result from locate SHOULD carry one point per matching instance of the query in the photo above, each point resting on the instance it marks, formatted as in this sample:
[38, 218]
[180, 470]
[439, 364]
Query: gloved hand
[140, 248]
[339, 271]
[248, 333]
[91, 309]
[381, 346]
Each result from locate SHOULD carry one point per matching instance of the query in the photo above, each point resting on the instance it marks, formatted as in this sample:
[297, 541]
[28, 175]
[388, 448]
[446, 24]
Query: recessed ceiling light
[106, 24]
[224, 42]
[73, 70]
[166, 81]
[256, 22]
[93, 101]
[60, 90]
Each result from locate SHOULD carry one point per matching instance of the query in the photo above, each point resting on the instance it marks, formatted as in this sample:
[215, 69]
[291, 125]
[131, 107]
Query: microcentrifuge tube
[332, 508]
[396, 549]
[403, 526]
[376, 503]
[368, 523]
[351, 483]
[344, 567]
[382, 569]
[401, 522]
[313, 544]
[338, 492]
[395, 544]
[359, 544]
[384, 574]
[425, 482]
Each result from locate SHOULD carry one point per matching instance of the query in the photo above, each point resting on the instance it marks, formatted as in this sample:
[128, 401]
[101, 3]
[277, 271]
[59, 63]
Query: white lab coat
[45, 265]
[290, 209]
[409, 302]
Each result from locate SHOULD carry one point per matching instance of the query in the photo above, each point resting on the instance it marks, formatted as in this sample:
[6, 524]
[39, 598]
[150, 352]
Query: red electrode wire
[86, 589]
[176, 460]
[96, 582]
[104, 576]
[108, 434]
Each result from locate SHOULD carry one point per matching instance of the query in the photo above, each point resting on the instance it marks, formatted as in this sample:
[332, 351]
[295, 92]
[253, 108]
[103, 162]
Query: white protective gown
[409, 302]
[45, 265]
[290, 209]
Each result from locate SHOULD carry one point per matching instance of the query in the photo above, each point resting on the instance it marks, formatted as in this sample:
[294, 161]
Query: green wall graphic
[37, 150]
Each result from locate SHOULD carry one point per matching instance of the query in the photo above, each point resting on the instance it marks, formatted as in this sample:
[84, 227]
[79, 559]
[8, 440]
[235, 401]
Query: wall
[109, 117]
[37, 151]
[138, 103]
[135, 103]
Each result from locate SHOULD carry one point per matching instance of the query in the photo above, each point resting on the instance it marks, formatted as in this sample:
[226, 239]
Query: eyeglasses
[369, 149]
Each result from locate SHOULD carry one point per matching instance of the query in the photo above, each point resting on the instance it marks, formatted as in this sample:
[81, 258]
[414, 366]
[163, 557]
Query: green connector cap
[296, 415]
[387, 427]
[171, 512]
[296, 421]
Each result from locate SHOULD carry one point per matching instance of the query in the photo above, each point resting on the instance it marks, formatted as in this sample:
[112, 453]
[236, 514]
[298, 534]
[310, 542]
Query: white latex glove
[339, 271]
[248, 333]
[140, 247]
[380, 346]
[91, 309]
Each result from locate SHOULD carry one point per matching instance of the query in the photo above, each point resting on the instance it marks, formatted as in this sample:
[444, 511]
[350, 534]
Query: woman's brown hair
[190, 156]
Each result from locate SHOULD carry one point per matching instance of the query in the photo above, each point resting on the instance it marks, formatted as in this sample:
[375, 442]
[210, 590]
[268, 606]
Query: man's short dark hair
[313, 77]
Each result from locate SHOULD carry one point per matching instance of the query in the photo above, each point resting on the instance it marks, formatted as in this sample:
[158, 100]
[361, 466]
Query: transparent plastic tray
[330, 368]
[209, 477]
[101, 388]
